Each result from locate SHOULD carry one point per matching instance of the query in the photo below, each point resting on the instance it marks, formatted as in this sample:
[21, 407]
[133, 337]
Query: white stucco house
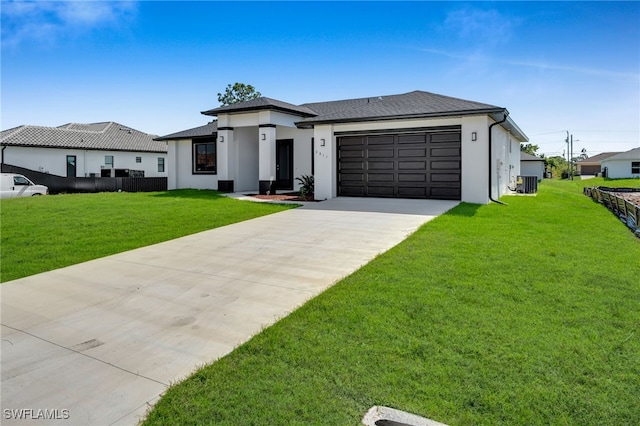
[84, 150]
[623, 165]
[530, 165]
[411, 145]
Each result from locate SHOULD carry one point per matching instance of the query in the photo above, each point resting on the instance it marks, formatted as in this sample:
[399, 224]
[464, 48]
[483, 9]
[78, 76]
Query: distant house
[591, 165]
[623, 165]
[84, 150]
[530, 165]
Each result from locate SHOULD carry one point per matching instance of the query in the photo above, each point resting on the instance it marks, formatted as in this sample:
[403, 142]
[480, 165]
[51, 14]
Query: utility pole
[568, 158]
[571, 157]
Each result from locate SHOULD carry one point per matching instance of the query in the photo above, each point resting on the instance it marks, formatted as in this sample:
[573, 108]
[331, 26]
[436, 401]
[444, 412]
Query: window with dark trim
[204, 156]
[161, 164]
[138, 159]
[635, 167]
[108, 161]
[71, 166]
[313, 162]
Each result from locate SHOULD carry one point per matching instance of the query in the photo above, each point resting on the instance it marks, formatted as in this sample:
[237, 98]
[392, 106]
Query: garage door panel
[412, 165]
[352, 177]
[352, 141]
[352, 165]
[380, 140]
[442, 177]
[412, 177]
[444, 152]
[380, 153]
[417, 138]
[445, 137]
[412, 191]
[412, 152]
[381, 165]
[380, 177]
[380, 191]
[415, 165]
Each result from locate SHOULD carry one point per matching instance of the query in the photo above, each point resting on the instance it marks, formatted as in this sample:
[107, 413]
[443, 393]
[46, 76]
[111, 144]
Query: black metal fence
[59, 184]
[627, 211]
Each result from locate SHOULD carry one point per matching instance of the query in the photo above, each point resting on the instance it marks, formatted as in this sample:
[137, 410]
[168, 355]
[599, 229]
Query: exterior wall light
[221, 139]
[474, 136]
[263, 136]
[321, 142]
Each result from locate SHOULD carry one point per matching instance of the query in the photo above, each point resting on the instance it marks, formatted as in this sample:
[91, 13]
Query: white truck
[13, 185]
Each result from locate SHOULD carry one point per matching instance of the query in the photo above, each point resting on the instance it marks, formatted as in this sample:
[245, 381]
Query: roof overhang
[217, 111]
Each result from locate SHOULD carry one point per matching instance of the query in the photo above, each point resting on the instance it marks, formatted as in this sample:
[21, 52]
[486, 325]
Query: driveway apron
[97, 343]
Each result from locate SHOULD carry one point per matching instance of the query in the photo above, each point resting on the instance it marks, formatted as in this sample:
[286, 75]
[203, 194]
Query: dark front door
[284, 164]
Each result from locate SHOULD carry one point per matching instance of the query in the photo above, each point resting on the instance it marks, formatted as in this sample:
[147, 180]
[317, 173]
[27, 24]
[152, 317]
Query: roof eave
[311, 123]
[216, 111]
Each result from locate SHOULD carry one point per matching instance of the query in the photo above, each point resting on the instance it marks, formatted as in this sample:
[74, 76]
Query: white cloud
[482, 26]
[44, 21]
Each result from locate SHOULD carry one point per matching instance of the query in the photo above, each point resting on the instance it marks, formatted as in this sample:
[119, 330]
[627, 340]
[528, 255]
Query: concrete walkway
[104, 339]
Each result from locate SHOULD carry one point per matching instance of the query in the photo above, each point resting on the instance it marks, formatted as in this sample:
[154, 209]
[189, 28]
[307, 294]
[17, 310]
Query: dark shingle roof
[528, 157]
[596, 159]
[259, 104]
[407, 105]
[106, 136]
[206, 130]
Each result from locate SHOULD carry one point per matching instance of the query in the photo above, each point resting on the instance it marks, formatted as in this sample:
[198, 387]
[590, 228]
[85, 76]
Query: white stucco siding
[54, 160]
[246, 178]
[475, 158]
[502, 168]
[181, 174]
[325, 175]
[617, 169]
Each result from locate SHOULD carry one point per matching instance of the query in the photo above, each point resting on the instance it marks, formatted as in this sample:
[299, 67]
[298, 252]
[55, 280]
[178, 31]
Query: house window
[313, 162]
[138, 159]
[635, 167]
[108, 161]
[204, 156]
[161, 164]
[71, 166]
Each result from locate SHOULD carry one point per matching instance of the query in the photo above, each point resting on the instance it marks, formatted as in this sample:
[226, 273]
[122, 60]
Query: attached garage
[423, 163]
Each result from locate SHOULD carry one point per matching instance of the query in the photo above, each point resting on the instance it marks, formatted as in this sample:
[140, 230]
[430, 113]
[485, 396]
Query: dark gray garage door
[409, 165]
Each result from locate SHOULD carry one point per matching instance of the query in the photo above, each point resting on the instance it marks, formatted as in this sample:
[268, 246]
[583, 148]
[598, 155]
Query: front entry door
[284, 164]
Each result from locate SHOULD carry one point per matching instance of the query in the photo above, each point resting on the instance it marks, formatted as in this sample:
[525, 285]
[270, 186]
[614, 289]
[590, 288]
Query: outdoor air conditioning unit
[527, 184]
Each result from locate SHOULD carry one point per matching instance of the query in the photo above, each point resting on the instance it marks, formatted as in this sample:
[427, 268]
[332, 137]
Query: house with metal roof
[411, 145]
[84, 150]
[622, 165]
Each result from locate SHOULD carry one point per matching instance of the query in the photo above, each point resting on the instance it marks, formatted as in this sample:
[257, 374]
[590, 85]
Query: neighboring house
[591, 165]
[412, 145]
[530, 165]
[623, 165]
[84, 150]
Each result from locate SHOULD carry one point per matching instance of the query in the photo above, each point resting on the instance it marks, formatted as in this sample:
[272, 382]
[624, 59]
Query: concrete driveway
[98, 343]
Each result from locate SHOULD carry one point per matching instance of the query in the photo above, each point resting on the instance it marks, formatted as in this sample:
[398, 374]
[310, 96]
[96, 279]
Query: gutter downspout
[2, 157]
[506, 114]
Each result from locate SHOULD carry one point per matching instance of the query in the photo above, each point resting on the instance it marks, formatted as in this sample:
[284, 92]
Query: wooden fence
[628, 212]
[60, 184]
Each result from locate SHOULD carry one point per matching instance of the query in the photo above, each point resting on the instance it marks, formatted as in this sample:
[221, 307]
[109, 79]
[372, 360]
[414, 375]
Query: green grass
[44, 233]
[520, 314]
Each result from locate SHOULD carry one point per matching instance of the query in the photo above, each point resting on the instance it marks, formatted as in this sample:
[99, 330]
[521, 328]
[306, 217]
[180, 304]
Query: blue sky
[154, 65]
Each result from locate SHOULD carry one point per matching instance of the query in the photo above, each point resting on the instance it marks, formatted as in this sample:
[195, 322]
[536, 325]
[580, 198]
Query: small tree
[238, 92]
[529, 148]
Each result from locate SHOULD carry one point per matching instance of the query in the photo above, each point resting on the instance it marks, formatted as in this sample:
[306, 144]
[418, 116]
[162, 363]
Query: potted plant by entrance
[306, 187]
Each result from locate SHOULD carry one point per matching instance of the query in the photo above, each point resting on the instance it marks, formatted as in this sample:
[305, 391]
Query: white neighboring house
[530, 165]
[623, 165]
[412, 145]
[83, 150]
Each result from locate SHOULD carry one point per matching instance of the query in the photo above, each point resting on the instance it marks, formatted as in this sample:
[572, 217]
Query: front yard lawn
[520, 314]
[44, 233]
